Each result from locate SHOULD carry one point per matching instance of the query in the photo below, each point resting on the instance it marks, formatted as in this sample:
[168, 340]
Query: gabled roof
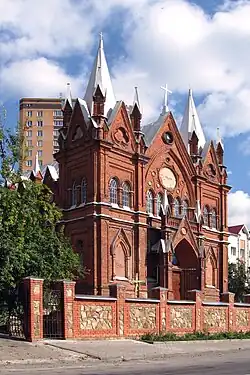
[151, 129]
[191, 123]
[53, 169]
[100, 76]
[235, 229]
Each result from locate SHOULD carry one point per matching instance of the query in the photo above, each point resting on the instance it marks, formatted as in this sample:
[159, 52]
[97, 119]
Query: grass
[162, 337]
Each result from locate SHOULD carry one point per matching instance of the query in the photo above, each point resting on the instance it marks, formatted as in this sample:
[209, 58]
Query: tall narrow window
[126, 194]
[205, 216]
[185, 208]
[113, 191]
[150, 202]
[159, 202]
[213, 219]
[74, 195]
[176, 207]
[84, 191]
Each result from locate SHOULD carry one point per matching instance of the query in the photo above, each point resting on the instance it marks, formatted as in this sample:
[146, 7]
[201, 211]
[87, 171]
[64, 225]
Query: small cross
[165, 108]
[137, 283]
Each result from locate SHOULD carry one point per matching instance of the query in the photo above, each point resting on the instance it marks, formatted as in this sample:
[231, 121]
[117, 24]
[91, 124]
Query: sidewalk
[21, 352]
[81, 353]
[129, 350]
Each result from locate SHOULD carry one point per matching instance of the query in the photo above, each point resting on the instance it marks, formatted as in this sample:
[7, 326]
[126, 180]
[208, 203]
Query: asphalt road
[230, 363]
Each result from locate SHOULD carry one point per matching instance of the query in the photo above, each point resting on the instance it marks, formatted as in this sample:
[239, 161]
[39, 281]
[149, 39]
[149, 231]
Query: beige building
[40, 121]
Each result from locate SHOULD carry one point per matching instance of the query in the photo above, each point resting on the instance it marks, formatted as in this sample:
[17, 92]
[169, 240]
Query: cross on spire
[165, 108]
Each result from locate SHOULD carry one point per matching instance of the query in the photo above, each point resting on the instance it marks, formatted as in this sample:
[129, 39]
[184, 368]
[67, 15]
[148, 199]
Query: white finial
[136, 98]
[218, 138]
[165, 108]
[101, 40]
[198, 211]
[37, 166]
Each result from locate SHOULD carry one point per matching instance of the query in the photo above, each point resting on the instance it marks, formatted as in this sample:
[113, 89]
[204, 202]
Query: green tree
[32, 240]
[238, 280]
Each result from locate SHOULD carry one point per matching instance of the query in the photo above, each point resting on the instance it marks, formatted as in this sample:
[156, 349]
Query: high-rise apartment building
[40, 121]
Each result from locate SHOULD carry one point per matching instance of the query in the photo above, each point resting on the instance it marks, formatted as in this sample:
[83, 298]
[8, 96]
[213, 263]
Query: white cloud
[239, 208]
[36, 78]
[171, 41]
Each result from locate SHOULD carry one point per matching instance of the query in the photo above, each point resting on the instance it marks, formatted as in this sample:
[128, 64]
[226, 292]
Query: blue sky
[204, 44]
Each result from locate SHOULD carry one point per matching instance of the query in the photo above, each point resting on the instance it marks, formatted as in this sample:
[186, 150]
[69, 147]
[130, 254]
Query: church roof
[100, 76]
[191, 123]
[53, 169]
[151, 129]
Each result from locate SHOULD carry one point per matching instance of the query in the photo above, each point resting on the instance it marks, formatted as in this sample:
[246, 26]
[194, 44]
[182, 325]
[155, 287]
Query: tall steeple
[100, 76]
[191, 123]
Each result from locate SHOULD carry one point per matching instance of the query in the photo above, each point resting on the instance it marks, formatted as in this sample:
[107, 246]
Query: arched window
[150, 202]
[185, 208]
[84, 191]
[74, 195]
[126, 194]
[205, 216]
[113, 191]
[213, 219]
[176, 207]
[159, 202]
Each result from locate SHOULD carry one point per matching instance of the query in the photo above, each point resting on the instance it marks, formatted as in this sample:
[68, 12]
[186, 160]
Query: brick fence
[116, 316]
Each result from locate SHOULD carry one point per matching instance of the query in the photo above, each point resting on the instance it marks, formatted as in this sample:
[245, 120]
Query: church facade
[145, 206]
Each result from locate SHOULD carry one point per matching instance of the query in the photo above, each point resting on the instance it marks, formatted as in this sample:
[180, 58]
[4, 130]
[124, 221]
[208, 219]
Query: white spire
[136, 98]
[191, 122]
[68, 96]
[165, 203]
[100, 76]
[37, 165]
[218, 138]
[165, 108]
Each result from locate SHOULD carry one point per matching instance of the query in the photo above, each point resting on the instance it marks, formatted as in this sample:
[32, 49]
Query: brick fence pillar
[67, 289]
[119, 291]
[196, 295]
[162, 295]
[229, 298]
[247, 298]
[34, 310]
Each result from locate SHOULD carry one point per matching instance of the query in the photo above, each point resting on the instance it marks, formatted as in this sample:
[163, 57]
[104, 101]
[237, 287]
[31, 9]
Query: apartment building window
[233, 251]
[29, 142]
[39, 113]
[29, 113]
[40, 123]
[40, 143]
[242, 253]
[55, 143]
[29, 152]
[29, 133]
[40, 153]
[40, 163]
[40, 133]
[29, 163]
[58, 123]
[29, 123]
[55, 133]
[57, 113]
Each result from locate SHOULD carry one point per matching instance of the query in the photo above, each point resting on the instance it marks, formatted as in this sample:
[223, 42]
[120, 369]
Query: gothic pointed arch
[120, 251]
[210, 268]
[185, 232]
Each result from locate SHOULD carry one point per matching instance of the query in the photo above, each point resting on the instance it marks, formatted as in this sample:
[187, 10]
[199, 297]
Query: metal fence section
[53, 314]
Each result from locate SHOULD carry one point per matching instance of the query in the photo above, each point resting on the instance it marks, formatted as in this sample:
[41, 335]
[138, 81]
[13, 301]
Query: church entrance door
[186, 272]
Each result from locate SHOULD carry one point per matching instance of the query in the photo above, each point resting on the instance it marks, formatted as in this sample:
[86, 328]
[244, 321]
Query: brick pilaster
[162, 295]
[34, 320]
[119, 291]
[196, 295]
[229, 298]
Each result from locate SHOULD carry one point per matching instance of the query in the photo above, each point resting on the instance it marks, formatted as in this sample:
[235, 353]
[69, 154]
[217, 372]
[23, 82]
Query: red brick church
[145, 206]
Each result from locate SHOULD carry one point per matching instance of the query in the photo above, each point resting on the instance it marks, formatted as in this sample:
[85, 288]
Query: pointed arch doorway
[186, 270]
